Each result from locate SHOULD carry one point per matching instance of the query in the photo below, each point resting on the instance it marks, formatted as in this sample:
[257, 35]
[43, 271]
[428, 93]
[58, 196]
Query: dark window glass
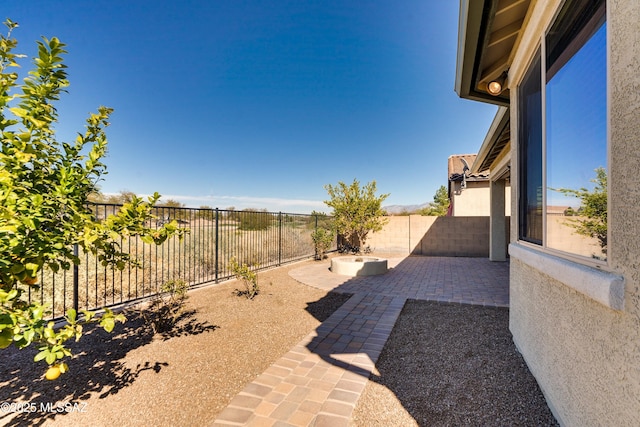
[530, 150]
[575, 24]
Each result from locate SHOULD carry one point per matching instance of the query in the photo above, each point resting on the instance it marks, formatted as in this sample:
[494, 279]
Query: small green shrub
[249, 279]
[322, 239]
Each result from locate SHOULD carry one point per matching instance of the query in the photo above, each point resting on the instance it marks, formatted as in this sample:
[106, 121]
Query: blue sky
[577, 121]
[261, 103]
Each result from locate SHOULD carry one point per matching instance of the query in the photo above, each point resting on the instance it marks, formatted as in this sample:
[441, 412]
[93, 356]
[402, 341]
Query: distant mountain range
[396, 209]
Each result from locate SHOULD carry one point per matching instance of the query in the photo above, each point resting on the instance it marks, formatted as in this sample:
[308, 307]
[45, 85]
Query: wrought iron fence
[259, 239]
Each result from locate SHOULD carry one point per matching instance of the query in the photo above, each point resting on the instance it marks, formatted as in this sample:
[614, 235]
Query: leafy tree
[439, 205]
[356, 210]
[44, 188]
[593, 209]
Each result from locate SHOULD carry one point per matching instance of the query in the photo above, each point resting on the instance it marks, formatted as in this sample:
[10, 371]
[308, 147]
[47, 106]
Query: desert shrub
[322, 239]
[252, 220]
[249, 279]
[166, 307]
[206, 212]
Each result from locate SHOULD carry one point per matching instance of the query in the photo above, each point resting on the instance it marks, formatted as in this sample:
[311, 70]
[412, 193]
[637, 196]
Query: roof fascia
[471, 28]
[493, 134]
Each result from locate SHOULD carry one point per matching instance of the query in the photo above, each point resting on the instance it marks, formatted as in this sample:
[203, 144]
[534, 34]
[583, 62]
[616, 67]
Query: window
[530, 140]
[563, 135]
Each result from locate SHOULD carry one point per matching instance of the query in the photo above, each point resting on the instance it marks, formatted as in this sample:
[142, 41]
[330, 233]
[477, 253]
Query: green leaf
[19, 112]
[147, 239]
[6, 338]
[88, 315]
[108, 324]
[16, 268]
[41, 356]
[29, 335]
[38, 312]
[12, 294]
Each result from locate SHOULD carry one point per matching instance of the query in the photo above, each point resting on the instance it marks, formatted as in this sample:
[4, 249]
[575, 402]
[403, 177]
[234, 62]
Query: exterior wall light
[496, 86]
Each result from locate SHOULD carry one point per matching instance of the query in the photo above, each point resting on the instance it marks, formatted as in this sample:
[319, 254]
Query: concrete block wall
[433, 236]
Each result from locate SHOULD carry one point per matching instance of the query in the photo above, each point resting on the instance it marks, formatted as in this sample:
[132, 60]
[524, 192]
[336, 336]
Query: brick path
[318, 382]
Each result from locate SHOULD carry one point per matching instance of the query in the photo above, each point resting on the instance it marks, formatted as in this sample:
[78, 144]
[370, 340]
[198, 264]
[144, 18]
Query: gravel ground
[434, 370]
[451, 365]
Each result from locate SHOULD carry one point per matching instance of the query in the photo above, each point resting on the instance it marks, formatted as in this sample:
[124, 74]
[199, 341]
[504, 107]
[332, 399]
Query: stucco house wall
[475, 200]
[578, 326]
[472, 201]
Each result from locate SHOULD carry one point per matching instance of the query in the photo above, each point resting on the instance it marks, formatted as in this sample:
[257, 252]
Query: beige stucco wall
[433, 236]
[585, 354]
[475, 200]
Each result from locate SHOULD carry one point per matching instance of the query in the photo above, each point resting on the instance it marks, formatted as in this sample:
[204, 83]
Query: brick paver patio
[319, 381]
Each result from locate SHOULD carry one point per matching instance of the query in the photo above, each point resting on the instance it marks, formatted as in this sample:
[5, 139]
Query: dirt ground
[434, 370]
[134, 378]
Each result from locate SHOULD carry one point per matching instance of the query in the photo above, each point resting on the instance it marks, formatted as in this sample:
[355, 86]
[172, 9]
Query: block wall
[433, 236]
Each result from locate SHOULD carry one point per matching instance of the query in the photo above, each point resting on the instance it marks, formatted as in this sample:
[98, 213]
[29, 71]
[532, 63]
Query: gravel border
[451, 365]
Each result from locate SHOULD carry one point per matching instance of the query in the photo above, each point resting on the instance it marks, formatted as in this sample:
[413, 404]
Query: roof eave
[471, 34]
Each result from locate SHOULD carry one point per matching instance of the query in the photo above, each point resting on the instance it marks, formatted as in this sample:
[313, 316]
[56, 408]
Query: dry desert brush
[167, 307]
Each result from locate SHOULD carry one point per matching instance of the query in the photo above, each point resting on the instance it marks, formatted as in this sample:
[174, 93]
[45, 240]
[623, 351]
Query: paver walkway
[319, 381]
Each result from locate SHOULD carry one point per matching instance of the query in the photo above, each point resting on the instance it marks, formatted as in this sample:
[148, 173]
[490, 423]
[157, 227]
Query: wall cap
[601, 286]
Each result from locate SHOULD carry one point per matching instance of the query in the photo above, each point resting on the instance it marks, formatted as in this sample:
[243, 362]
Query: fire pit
[359, 266]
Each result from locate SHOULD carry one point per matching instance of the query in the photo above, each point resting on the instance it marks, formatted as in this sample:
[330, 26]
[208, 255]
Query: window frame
[539, 52]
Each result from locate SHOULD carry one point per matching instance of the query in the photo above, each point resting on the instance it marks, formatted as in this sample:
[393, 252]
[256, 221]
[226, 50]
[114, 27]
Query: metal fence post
[217, 245]
[279, 238]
